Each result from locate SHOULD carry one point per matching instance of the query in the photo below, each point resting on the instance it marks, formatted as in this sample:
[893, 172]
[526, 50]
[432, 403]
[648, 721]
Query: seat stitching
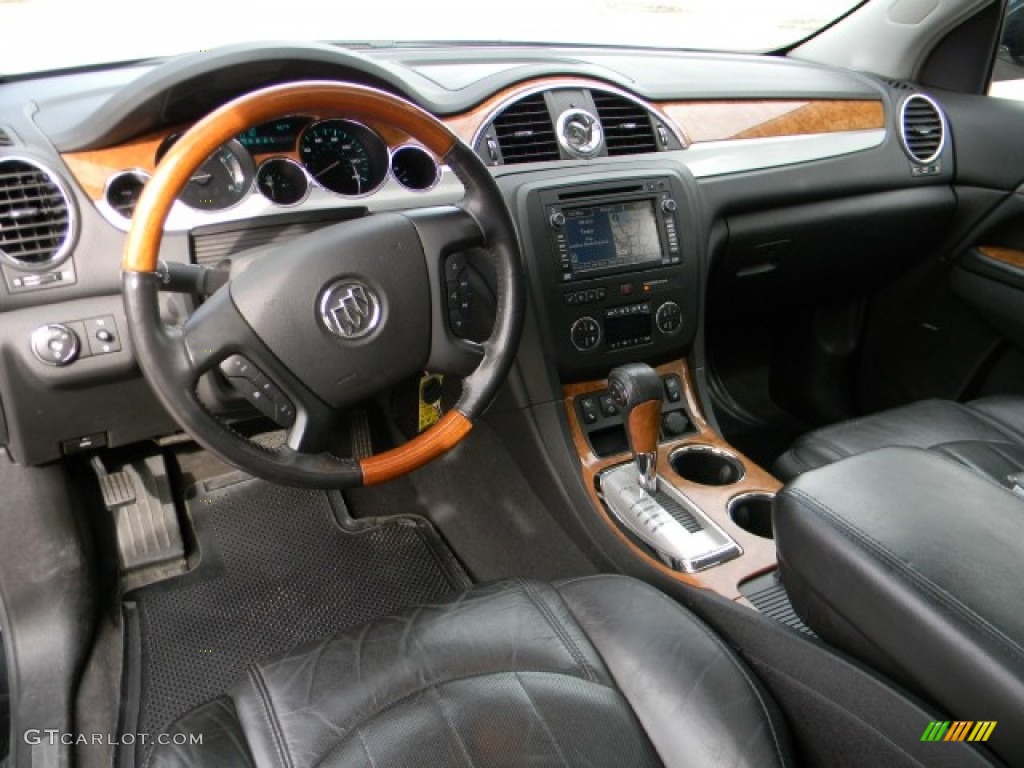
[366, 748]
[451, 727]
[543, 722]
[917, 579]
[367, 716]
[559, 630]
[717, 641]
[256, 676]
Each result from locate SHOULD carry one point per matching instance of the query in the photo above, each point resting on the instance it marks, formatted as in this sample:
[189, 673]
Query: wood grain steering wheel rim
[172, 358]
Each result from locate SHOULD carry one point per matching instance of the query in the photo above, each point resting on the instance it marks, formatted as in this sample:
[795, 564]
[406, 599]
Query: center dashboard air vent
[36, 224]
[525, 133]
[627, 125]
[922, 129]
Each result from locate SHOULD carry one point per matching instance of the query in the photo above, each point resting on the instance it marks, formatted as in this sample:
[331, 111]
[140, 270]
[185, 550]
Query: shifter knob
[636, 389]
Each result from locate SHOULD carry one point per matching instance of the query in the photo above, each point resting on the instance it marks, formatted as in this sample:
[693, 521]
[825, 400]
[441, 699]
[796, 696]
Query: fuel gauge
[282, 181]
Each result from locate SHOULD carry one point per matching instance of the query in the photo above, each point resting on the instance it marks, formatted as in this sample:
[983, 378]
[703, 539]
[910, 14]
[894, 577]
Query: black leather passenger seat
[986, 435]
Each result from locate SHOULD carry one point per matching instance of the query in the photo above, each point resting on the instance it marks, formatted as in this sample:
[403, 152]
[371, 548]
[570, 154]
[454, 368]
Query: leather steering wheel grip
[162, 359]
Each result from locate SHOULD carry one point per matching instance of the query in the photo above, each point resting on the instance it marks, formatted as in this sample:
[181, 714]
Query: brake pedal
[140, 500]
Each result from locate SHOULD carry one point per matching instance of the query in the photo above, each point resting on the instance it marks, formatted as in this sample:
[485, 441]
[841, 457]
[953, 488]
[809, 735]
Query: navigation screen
[613, 235]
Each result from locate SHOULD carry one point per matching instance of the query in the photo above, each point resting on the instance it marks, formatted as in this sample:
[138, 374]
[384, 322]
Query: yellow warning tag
[430, 411]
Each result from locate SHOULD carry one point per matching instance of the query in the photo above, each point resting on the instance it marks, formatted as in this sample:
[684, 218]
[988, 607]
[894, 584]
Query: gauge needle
[203, 177]
[330, 167]
[355, 177]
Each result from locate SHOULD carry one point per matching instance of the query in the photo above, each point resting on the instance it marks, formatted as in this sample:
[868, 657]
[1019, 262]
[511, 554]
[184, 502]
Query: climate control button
[585, 333]
[669, 318]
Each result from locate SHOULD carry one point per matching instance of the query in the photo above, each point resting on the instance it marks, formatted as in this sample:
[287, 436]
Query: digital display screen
[612, 235]
[627, 330]
[277, 136]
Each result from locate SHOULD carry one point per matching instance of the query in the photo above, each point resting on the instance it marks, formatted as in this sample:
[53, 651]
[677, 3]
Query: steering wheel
[341, 314]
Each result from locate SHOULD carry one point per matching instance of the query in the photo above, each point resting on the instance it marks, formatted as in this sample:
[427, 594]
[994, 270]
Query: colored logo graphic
[959, 730]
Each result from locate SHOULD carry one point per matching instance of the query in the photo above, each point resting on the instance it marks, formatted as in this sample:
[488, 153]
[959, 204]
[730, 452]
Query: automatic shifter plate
[647, 519]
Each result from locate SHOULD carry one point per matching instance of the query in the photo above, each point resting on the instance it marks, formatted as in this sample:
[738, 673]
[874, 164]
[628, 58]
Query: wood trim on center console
[758, 553]
[1010, 256]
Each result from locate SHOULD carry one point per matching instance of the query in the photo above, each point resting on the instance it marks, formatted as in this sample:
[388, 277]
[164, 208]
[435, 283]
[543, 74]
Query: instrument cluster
[284, 160]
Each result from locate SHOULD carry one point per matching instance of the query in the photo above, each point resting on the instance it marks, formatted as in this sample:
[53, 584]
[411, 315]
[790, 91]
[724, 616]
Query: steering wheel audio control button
[251, 384]
[55, 344]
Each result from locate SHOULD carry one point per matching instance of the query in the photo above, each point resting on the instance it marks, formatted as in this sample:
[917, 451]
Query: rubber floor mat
[278, 566]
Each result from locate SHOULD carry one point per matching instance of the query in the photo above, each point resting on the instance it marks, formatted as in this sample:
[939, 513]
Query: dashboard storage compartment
[706, 465]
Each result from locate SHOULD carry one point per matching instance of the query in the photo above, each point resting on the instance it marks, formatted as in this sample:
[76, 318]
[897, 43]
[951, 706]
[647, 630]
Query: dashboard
[621, 168]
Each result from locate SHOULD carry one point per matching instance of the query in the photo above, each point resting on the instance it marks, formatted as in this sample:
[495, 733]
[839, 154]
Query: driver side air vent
[5, 138]
[627, 125]
[922, 129]
[525, 133]
[35, 215]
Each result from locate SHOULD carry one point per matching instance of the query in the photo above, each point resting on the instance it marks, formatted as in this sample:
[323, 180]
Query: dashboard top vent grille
[899, 85]
[6, 140]
[525, 132]
[627, 125]
[922, 129]
[35, 215]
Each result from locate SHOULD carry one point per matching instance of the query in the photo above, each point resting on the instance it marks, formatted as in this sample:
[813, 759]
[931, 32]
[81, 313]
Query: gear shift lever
[636, 389]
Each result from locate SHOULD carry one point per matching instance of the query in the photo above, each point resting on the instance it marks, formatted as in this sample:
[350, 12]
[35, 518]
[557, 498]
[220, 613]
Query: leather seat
[912, 563]
[986, 435]
[602, 671]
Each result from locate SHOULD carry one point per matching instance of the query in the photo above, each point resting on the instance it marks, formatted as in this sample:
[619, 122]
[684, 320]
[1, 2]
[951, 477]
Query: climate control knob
[669, 318]
[585, 333]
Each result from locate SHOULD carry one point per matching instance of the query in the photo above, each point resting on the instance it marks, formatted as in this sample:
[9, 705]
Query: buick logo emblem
[350, 309]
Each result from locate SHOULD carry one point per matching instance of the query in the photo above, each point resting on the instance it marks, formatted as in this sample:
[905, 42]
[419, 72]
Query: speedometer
[344, 157]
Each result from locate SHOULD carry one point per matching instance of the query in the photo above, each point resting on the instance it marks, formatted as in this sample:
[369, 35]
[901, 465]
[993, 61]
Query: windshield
[43, 35]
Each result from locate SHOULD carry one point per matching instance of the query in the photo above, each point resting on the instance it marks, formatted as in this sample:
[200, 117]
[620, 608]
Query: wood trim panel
[1009, 256]
[388, 465]
[725, 120]
[758, 553]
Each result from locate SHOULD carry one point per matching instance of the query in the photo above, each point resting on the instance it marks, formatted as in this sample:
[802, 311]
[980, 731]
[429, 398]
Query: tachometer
[344, 157]
[220, 182]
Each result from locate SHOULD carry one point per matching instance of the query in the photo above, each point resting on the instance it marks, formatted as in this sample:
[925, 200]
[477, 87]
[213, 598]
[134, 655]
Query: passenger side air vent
[922, 129]
[525, 133]
[627, 125]
[35, 215]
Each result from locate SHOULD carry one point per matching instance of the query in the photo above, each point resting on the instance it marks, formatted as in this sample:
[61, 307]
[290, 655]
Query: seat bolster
[222, 740]
[1006, 410]
[695, 699]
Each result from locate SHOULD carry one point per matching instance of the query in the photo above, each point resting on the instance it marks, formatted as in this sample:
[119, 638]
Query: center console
[617, 269]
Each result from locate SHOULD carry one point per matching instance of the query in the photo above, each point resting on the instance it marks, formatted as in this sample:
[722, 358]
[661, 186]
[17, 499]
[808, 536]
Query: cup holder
[753, 513]
[706, 465]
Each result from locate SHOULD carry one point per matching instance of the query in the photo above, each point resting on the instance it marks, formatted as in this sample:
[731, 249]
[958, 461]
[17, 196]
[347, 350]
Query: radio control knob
[585, 333]
[557, 219]
[669, 318]
[668, 205]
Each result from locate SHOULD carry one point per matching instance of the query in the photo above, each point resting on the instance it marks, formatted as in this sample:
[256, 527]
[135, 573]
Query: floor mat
[279, 566]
